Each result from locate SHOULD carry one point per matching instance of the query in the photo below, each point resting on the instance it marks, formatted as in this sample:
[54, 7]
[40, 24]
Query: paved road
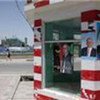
[16, 67]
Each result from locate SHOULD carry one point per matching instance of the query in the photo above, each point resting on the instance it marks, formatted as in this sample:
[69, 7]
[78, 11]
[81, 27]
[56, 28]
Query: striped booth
[90, 27]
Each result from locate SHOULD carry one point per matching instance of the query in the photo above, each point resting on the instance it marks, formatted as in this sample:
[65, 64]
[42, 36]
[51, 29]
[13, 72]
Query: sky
[12, 23]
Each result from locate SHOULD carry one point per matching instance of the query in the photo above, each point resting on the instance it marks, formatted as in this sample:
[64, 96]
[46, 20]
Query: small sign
[56, 35]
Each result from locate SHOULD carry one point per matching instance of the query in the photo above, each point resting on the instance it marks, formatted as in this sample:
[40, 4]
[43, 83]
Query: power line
[17, 5]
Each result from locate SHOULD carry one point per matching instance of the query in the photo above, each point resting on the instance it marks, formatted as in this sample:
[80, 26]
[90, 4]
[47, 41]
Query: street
[19, 66]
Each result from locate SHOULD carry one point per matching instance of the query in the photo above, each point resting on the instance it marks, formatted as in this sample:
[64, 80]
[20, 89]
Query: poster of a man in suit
[98, 40]
[88, 45]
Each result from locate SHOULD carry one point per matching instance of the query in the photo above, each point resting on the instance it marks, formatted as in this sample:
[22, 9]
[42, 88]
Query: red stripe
[37, 23]
[43, 97]
[38, 69]
[41, 3]
[90, 15]
[90, 75]
[37, 52]
[94, 94]
[37, 84]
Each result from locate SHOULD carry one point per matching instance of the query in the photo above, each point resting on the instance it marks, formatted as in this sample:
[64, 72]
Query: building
[62, 22]
[11, 42]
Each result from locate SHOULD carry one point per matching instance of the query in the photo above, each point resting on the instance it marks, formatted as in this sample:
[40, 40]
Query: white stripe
[29, 7]
[37, 77]
[37, 47]
[58, 95]
[90, 65]
[55, 1]
[37, 61]
[97, 65]
[90, 85]
[83, 99]
[84, 26]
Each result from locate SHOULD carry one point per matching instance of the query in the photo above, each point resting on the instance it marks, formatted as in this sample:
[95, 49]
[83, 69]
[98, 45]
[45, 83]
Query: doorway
[59, 34]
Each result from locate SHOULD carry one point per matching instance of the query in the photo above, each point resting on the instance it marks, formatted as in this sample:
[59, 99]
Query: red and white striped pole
[90, 73]
[37, 54]
[37, 69]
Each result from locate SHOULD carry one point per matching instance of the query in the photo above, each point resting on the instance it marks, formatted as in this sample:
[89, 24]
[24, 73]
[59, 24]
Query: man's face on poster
[89, 42]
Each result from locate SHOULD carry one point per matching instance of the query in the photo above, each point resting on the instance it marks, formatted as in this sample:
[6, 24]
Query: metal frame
[43, 49]
[43, 54]
[62, 41]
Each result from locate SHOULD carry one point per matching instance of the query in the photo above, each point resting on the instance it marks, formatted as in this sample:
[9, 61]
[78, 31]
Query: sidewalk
[24, 91]
[8, 84]
[11, 88]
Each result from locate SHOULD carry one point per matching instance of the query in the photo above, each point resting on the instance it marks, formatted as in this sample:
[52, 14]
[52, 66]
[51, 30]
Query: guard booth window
[62, 55]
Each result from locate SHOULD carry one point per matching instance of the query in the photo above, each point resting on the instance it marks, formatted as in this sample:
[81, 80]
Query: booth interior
[62, 45]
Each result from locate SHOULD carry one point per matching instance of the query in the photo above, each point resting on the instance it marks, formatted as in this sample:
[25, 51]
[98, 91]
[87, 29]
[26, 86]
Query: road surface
[20, 66]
